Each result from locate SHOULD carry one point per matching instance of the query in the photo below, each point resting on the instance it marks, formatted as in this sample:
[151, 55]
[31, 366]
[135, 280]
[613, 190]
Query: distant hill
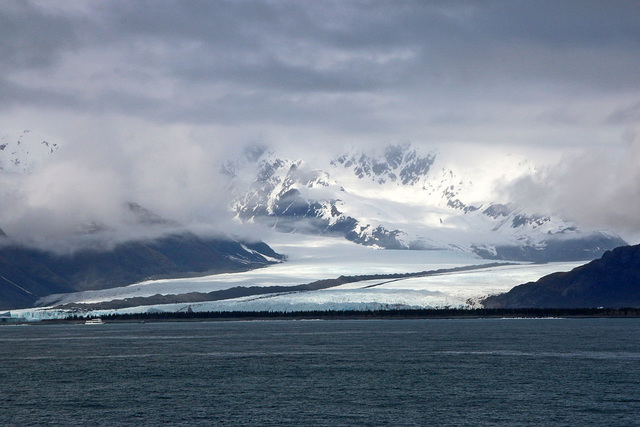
[27, 274]
[612, 281]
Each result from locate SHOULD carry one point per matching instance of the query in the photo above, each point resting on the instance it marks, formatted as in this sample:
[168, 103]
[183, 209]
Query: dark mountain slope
[27, 274]
[611, 281]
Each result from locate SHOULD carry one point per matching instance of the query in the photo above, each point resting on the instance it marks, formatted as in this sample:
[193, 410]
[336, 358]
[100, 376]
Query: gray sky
[147, 94]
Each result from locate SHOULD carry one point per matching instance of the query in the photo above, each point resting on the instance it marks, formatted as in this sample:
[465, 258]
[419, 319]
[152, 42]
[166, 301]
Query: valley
[393, 227]
[311, 259]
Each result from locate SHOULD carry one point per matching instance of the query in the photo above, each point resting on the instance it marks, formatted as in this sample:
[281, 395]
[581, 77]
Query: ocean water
[475, 372]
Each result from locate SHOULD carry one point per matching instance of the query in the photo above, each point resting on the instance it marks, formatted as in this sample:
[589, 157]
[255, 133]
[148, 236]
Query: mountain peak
[395, 197]
[399, 163]
[23, 152]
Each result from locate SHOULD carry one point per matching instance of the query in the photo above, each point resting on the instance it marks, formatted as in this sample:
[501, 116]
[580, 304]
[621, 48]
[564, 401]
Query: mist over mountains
[23, 152]
[402, 197]
[399, 196]
[523, 122]
[89, 253]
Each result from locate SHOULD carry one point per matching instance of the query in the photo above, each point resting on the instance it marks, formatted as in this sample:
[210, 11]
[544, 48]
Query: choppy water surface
[373, 372]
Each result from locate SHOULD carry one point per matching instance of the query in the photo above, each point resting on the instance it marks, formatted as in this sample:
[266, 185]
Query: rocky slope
[612, 281]
[27, 274]
[402, 198]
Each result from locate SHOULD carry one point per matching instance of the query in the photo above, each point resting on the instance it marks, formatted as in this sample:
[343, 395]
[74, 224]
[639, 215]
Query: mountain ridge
[27, 273]
[401, 199]
[612, 281]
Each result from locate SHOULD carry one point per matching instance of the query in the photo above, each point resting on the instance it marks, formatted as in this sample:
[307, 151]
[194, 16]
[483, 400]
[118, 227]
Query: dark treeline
[376, 314]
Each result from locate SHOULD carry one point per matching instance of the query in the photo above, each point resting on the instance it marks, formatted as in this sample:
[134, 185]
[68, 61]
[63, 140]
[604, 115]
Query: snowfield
[315, 258]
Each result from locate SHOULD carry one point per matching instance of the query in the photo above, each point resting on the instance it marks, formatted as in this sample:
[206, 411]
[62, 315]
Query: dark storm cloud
[17, 95]
[255, 43]
[450, 53]
[269, 46]
[30, 37]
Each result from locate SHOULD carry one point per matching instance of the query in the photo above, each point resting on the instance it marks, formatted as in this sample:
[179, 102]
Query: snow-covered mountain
[24, 151]
[397, 197]
[138, 245]
[403, 198]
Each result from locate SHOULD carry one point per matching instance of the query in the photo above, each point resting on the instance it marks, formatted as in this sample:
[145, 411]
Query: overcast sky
[167, 87]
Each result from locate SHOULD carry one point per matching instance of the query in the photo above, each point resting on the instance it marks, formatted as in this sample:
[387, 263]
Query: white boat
[96, 321]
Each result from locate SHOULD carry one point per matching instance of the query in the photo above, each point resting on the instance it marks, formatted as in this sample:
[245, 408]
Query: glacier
[314, 258]
[357, 213]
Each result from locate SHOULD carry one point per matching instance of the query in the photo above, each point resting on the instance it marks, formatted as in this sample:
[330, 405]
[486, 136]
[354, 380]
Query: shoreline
[516, 313]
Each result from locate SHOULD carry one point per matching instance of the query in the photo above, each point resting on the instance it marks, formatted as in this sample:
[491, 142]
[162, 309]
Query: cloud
[625, 115]
[32, 38]
[598, 188]
[149, 95]
[88, 188]
[245, 62]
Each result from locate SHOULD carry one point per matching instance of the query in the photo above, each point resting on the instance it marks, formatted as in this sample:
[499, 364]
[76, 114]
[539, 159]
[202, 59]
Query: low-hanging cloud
[597, 188]
[76, 192]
